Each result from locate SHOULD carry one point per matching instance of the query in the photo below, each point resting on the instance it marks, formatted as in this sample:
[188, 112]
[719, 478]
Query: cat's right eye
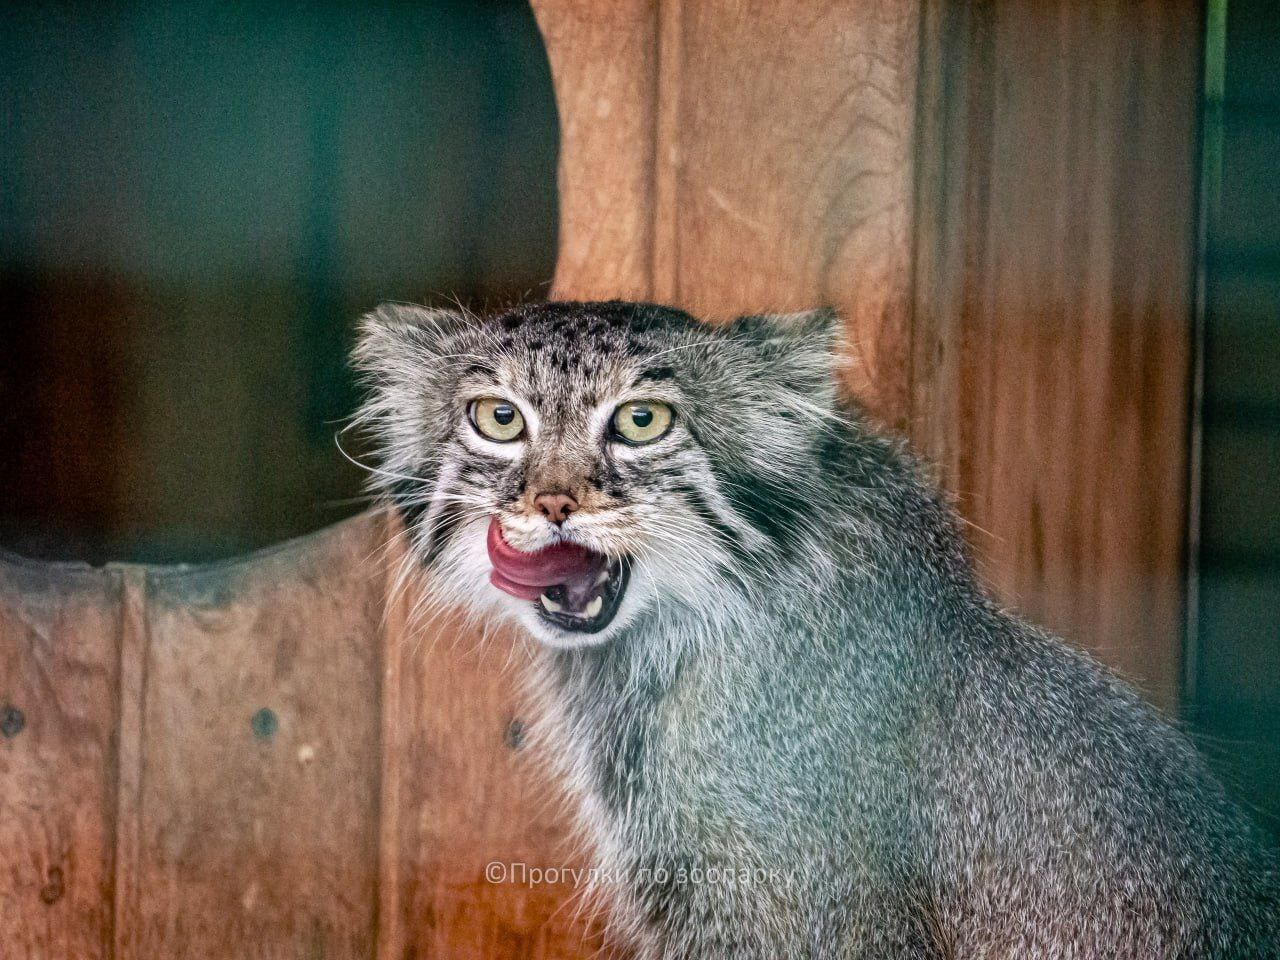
[496, 419]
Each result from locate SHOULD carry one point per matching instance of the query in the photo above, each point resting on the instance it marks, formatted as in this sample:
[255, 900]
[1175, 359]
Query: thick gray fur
[806, 683]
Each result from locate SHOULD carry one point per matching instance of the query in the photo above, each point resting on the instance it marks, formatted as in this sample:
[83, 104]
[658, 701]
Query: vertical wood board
[58, 707]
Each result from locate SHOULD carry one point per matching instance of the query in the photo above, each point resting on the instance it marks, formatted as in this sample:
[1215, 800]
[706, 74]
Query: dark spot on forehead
[568, 338]
[657, 373]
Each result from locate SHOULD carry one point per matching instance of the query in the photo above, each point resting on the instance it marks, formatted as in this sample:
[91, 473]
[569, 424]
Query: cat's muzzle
[570, 586]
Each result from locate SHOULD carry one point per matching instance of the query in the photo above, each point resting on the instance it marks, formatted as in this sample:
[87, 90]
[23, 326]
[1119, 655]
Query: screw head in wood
[264, 723]
[11, 721]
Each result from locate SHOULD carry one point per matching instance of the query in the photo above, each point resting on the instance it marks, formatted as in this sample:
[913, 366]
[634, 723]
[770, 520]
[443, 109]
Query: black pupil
[641, 416]
[504, 414]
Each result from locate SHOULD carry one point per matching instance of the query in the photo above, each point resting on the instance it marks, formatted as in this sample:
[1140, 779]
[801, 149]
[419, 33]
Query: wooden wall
[1000, 199]
[260, 759]
[1054, 299]
[265, 759]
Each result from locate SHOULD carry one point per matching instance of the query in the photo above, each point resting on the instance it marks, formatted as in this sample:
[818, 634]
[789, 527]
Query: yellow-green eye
[496, 419]
[642, 421]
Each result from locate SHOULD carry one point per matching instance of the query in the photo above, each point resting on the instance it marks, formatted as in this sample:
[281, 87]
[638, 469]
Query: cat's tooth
[594, 608]
[550, 605]
[604, 575]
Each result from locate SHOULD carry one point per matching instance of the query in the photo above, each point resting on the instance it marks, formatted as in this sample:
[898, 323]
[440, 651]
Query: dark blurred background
[1233, 686]
[196, 202]
[198, 199]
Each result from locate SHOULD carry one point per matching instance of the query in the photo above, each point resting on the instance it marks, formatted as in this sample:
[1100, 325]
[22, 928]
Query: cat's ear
[395, 332]
[816, 330]
[822, 322]
[802, 349]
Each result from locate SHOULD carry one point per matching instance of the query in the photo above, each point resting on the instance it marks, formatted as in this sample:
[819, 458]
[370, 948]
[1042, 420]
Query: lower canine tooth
[594, 607]
[549, 604]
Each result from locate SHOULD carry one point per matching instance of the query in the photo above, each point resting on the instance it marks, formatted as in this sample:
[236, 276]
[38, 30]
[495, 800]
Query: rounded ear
[393, 330]
[802, 348]
[818, 329]
[821, 322]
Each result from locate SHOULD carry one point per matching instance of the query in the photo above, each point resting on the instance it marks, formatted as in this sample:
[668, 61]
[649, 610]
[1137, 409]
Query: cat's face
[581, 466]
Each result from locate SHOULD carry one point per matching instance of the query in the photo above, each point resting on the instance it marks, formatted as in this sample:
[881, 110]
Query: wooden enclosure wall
[258, 759]
[261, 759]
[1014, 258]
[1052, 327]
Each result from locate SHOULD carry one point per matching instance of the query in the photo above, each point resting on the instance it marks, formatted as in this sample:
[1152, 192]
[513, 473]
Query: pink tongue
[527, 575]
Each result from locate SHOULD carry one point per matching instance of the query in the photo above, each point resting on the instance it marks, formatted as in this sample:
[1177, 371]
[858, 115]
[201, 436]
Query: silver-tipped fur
[807, 732]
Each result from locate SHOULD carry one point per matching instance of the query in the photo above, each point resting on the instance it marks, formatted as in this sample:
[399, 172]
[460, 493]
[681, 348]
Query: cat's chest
[666, 776]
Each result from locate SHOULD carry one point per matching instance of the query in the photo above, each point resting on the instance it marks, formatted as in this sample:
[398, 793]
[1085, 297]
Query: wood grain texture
[58, 695]
[463, 792]
[604, 62]
[730, 157]
[785, 174]
[1053, 311]
[269, 758]
[471, 799]
[258, 793]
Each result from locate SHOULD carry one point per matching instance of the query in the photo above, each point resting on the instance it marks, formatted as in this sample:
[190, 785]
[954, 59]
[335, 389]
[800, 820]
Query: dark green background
[1233, 680]
[198, 201]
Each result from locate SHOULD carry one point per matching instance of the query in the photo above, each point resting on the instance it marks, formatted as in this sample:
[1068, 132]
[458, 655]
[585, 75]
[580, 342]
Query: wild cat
[795, 724]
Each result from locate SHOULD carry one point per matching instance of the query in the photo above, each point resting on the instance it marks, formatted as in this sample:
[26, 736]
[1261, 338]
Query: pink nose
[556, 507]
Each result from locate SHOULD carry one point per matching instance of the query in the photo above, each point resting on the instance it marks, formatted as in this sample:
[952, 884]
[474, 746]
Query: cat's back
[1072, 818]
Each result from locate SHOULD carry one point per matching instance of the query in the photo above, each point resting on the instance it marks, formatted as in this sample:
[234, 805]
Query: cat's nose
[556, 507]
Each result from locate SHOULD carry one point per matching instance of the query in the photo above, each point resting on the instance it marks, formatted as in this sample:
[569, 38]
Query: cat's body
[804, 731]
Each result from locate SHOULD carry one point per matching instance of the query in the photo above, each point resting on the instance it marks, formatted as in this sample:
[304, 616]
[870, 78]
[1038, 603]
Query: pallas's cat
[793, 722]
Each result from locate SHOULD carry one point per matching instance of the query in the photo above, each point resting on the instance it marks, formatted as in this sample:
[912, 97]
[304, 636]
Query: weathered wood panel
[1029, 326]
[474, 818]
[784, 170]
[604, 64]
[58, 707]
[1054, 300]
[257, 805]
[269, 758]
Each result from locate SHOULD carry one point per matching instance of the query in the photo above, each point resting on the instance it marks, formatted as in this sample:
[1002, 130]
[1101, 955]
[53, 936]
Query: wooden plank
[604, 60]
[1053, 306]
[129, 757]
[258, 788]
[474, 816]
[58, 685]
[785, 170]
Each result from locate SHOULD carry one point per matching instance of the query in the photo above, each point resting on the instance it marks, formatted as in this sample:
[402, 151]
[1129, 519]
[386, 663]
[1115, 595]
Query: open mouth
[586, 611]
[570, 586]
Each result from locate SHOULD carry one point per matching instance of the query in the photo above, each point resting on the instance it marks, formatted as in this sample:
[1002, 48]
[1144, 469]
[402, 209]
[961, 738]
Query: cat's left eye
[496, 419]
[641, 421]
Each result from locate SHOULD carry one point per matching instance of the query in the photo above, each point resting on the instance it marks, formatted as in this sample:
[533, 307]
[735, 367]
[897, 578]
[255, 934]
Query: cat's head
[581, 466]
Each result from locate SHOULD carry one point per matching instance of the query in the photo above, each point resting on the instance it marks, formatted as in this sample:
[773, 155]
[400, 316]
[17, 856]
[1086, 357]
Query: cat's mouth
[570, 586]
